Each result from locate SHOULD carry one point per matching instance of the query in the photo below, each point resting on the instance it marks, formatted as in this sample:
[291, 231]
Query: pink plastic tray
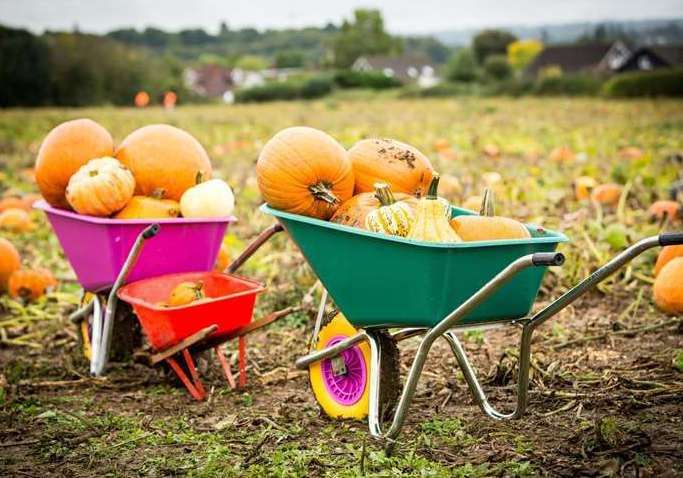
[97, 247]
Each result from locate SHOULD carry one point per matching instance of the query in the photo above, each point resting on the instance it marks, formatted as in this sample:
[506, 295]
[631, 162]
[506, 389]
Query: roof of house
[671, 54]
[398, 64]
[571, 58]
[212, 80]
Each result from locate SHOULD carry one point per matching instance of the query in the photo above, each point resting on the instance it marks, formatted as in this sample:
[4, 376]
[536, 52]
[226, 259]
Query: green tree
[365, 35]
[252, 62]
[497, 67]
[289, 59]
[462, 66]
[24, 69]
[491, 42]
[522, 52]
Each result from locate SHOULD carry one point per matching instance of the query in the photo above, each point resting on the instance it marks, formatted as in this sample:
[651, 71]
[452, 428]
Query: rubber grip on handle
[548, 259]
[671, 238]
[151, 231]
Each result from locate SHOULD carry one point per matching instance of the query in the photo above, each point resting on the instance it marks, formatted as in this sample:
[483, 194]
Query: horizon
[98, 17]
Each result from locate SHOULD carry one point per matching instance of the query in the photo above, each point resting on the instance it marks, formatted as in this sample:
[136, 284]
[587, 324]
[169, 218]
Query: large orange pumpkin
[304, 171]
[353, 212]
[667, 254]
[401, 166]
[65, 149]
[10, 261]
[668, 292]
[30, 283]
[166, 161]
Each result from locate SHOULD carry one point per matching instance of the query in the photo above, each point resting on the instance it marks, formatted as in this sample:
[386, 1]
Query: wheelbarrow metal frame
[445, 328]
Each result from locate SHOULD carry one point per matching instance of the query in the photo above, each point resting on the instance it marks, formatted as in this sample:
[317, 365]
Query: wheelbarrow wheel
[126, 336]
[341, 385]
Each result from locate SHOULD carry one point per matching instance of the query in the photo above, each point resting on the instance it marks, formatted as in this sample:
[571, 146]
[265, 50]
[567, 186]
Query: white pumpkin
[212, 198]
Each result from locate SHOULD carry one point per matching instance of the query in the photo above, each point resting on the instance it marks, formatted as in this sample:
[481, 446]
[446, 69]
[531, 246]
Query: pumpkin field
[606, 396]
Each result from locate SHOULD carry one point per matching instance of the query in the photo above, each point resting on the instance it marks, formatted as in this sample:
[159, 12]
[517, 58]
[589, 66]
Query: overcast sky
[401, 16]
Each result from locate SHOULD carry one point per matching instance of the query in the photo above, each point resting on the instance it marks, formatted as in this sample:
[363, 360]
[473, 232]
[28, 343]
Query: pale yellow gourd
[487, 226]
[431, 217]
[393, 217]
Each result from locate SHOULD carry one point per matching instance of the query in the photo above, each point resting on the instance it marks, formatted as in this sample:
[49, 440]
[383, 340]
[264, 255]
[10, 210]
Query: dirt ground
[606, 400]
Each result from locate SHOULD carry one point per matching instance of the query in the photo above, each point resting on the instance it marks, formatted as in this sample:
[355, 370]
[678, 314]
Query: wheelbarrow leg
[242, 359]
[193, 386]
[225, 366]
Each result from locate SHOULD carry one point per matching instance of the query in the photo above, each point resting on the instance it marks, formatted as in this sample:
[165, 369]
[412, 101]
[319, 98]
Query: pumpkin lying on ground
[562, 154]
[223, 260]
[304, 171]
[101, 187]
[212, 198]
[64, 150]
[10, 261]
[391, 217]
[16, 220]
[583, 185]
[487, 226]
[431, 217]
[607, 194]
[667, 254]
[165, 160]
[354, 211]
[404, 168]
[13, 202]
[30, 284]
[186, 293]
[660, 210]
[143, 207]
[668, 288]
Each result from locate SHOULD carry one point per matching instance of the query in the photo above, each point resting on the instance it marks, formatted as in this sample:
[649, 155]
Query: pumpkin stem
[322, 192]
[487, 204]
[432, 192]
[383, 194]
[199, 178]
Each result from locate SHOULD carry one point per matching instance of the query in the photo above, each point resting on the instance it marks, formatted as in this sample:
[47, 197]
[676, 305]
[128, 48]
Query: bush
[316, 87]
[462, 66]
[311, 88]
[497, 67]
[441, 90]
[667, 82]
[360, 79]
[569, 85]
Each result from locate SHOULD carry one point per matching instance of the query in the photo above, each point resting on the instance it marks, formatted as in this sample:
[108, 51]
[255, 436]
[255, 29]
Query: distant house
[211, 81]
[406, 69]
[606, 59]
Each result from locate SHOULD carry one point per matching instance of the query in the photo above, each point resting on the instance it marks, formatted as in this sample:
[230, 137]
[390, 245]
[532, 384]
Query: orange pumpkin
[304, 171]
[30, 199]
[354, 211]
[583, 185]
[15, 220]
[143, 207]
[65, 149]
[401, 166]
[101, 187]
[668, 288]
[608, 194]
[166, 161]
[30, 283]
[12, 203]
[223, 259]
[666, 255]
[491, 150]
[562, 154]
[10, 261]
[661, 209]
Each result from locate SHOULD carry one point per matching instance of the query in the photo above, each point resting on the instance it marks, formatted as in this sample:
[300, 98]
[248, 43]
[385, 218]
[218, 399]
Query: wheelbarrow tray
[229, 305]
[97, 247]
[384, 281]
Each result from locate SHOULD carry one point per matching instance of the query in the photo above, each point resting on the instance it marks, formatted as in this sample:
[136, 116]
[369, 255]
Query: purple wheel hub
[346, 388]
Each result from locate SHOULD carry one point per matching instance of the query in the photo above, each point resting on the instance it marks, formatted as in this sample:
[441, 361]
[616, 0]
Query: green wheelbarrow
[390, 289]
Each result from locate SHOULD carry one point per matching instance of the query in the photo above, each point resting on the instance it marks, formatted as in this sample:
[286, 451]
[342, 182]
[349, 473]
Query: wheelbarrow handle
[671, 238]
[547, 259]
[254, 246]
[151, 231]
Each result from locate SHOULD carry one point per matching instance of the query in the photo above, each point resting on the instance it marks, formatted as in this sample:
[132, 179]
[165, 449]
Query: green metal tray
[384, 281]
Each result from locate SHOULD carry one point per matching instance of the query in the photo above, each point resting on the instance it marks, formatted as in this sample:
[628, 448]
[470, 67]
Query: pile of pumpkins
[157, 172]
[382, 185]
[20, 283]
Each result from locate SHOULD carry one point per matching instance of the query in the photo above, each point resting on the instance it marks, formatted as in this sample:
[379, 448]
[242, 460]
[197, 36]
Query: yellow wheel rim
[336, 328]
[85, 332]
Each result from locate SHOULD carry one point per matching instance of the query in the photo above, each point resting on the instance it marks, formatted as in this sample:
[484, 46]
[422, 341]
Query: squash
[10, 261]
[143, 207]
[661, 210]
[583, 185]
[487, 226]
[101, 187]
[608, 194]
[64, 150]
[472, 203]
[668, 292]
[667, 254]
[401, 166]
[431, 222]
[223, 260]
[392, 217]
[304, 171]
[166, 161]
[13, 202]
[186, 293]
[562, 154]
[16, 220]
[30, 284]
[213, 198]
[354, 211]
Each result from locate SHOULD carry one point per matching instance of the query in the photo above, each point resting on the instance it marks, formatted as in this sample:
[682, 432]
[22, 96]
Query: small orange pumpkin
[30, 284]
[583, 185]
[667, 254]
[608, 194]
[562, 154]
[404, 168]
[304, 171]
[16, 220]
[143, 207]
[223, 259]
[100, 187]
[662, 209]
[10, 261]
[668, 288]
[354, 211]
[491, 150]
[186, 293]
[13, 202]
